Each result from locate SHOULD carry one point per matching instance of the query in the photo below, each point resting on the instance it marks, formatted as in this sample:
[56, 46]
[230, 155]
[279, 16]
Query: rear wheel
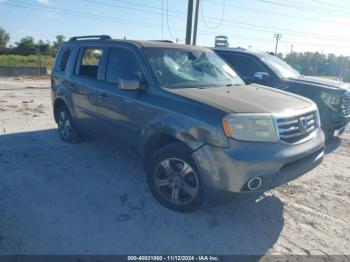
[174, 180]
[68, 132]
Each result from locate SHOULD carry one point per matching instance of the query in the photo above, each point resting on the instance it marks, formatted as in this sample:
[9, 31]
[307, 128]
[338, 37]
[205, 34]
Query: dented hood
[246, 99]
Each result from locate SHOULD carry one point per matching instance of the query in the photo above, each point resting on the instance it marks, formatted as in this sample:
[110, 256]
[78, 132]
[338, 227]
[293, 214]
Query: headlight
[332, 100]
[250, 127]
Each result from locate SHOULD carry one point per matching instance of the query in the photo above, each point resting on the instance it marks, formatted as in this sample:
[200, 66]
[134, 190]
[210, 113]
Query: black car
[332, 97]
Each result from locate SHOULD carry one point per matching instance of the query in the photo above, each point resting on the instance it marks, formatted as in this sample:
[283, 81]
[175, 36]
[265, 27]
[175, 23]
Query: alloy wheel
[64, 125]
[176, 181]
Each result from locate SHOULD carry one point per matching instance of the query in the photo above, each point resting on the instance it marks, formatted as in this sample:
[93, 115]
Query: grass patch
[30, 60]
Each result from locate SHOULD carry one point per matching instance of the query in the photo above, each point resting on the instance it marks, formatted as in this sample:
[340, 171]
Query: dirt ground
[92, 198]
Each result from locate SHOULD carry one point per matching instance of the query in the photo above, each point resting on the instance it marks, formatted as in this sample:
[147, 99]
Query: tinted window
[90, 62]
[64, 59]
[122, 64]
[245, 65]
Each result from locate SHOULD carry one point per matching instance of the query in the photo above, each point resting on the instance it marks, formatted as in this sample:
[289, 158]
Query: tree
[4, 38]
[59, 41]
[26, 46]
[44, 48]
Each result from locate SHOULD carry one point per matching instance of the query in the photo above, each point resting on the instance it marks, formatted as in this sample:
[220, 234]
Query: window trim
[100, 66]
[68, 59]
[108, 52]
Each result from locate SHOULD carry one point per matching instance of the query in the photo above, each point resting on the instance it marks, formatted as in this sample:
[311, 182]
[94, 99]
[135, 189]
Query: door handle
[103, 95]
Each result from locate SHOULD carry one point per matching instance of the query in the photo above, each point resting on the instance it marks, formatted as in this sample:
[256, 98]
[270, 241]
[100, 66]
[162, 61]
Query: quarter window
[122, 64]
[64, 59]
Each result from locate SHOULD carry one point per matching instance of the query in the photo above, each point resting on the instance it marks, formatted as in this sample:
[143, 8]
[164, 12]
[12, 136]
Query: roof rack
[100, 37]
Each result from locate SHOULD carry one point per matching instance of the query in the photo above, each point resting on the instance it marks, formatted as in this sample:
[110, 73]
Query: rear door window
[244, 65]
[90, 62]
[122, 65]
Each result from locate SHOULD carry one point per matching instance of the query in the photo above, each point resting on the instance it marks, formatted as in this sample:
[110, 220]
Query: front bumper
[334, 122]
[275, 163]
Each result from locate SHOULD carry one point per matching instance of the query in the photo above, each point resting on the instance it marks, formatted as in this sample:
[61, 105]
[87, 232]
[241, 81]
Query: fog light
[254, 183]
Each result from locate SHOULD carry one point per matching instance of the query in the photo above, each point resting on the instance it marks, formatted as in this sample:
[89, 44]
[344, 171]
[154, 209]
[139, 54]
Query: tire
[66, 128]
[174, 180]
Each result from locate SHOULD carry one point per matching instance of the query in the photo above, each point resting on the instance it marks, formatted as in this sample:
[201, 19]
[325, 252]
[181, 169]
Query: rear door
[86, 77]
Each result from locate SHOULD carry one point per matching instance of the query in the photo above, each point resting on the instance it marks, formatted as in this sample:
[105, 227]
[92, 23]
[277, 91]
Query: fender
[62, 93]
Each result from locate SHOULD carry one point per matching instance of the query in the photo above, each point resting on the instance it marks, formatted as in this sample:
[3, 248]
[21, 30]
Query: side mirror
[129, 84]
[262, 76]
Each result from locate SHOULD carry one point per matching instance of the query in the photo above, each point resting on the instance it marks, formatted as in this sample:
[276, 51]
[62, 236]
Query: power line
[322, 8]
[329, 4]
[232, 23]
[304, 8]
[279, 14]
[148, 6]
[241, 8]
[88, 16]
[167, 21]
[220, 20]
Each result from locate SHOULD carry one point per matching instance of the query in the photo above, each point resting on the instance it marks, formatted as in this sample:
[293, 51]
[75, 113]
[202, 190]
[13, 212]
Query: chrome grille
[346, 104]
[297, 128]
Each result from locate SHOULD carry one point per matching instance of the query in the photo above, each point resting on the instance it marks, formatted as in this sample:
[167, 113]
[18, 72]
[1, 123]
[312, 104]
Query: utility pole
[162, 19]
[195, 23]
[189, 22]
[39, 62]
[291, 49]
[278, 37]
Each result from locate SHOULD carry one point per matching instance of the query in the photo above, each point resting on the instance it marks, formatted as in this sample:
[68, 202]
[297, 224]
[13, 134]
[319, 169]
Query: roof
[239, 50]
[103, 39]
[160, 44]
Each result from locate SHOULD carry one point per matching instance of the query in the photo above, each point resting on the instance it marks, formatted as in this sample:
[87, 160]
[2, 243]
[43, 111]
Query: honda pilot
[196, 125]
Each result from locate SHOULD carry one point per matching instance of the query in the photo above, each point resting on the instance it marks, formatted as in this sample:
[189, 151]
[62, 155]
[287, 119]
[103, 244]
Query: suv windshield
[186, 68]
[281, 68]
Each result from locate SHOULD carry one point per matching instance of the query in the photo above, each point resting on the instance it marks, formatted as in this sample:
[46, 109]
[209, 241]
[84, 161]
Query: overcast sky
[309, 25]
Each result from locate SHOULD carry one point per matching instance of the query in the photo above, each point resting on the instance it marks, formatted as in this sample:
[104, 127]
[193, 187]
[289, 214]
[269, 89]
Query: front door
[116, 107]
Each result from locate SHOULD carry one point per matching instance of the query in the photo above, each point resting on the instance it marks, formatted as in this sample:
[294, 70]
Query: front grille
[297, 128]
[345, 106]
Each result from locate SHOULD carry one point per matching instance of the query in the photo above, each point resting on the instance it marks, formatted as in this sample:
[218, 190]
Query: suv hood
[322, 81]
[246, 99]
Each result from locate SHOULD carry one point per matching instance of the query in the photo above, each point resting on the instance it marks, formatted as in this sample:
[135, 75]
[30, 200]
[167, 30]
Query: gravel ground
[92, 198]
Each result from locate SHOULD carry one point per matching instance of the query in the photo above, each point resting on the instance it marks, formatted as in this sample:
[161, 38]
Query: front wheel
[173, 179]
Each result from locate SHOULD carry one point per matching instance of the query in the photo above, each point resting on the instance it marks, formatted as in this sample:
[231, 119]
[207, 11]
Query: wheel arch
[56, 105]
[157, 141]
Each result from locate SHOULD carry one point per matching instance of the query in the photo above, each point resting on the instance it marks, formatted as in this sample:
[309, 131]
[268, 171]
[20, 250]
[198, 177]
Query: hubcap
[176, 181]
[64, 125]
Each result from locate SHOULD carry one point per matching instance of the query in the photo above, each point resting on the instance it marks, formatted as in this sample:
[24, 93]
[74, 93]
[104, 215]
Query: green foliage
[4, 38]
[309, 63]
[30, 60]
[29, 46]
[26, 45]
[59, 41]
